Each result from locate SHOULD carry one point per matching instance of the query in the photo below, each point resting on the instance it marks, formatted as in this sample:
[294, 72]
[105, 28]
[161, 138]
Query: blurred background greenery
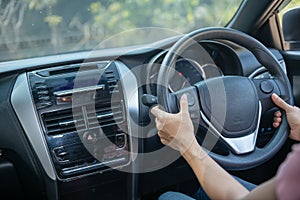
[40, 27]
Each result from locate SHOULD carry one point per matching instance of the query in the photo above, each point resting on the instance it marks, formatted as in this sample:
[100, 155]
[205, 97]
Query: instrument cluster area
[204, 60]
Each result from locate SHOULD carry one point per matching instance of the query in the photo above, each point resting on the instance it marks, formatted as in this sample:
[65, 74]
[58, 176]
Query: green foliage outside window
[39, 27]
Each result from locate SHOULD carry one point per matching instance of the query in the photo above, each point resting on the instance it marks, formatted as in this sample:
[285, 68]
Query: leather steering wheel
[230, 107]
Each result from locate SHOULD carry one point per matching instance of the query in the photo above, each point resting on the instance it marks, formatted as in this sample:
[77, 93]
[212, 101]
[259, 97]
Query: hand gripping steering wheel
[230, 107]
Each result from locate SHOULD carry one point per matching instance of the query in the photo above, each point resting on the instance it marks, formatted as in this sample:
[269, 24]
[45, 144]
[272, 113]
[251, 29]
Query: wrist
[195, 151]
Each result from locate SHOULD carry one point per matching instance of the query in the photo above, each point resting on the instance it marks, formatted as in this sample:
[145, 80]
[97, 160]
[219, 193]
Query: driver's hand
[175, 130]
[293, 117]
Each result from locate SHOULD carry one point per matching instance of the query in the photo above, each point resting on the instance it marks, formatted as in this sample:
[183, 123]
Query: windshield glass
[31, 28]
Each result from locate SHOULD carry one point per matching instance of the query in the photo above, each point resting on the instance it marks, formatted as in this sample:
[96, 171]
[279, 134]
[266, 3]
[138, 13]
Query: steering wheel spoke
[265, 88]
[193, 101]
[238, 145]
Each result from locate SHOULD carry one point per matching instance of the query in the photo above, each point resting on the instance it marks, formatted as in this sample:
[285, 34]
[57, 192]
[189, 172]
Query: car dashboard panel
[81, 122]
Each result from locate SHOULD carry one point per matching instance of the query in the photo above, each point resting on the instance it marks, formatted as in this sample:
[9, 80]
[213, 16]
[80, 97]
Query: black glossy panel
[10, 186]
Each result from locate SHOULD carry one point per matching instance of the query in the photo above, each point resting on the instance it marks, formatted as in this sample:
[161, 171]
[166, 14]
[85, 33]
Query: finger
[280, 103]
[154, 110]
[162, 136]
[277, 114]
[162, 140]
[276, 124]
[159, 124]
[157, 112]
[184, 107]
[277, 119]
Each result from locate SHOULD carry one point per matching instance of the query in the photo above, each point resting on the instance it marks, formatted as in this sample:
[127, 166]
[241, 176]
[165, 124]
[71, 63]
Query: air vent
[63, 121]
[102, 116]
[42, 95]
[111, 81]
[72, 68]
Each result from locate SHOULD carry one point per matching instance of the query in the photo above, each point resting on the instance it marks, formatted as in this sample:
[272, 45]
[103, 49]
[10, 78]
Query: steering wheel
[230, 107]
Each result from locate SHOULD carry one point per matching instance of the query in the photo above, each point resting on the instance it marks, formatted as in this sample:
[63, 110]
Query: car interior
[75, 119]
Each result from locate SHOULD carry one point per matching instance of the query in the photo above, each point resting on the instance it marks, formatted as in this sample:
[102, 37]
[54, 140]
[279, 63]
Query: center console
[83, 117]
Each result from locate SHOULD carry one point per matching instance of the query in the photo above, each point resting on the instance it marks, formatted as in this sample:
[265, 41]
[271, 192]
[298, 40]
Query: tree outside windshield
[31, 28]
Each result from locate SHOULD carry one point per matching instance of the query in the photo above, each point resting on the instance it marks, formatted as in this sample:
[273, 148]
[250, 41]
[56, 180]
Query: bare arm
[176, 131]
[265, 191]
[216, 182]
[219, 184]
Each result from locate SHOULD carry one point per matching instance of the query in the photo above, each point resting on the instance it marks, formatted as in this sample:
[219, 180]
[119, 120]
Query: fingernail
[184, 97]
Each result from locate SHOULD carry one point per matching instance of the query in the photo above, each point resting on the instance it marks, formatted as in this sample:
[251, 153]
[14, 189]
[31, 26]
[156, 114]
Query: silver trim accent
[283, 66]
[67, 123]
[239, 145]
[150, 69]
[104, 115]
[263, 69]
[130, 90]
[131, 99]
[23, 105]
[257, 72]
[79, 90]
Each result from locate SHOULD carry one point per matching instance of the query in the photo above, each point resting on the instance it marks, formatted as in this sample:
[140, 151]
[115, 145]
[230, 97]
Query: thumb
[157, 112]
[281, 103]
[184, 107]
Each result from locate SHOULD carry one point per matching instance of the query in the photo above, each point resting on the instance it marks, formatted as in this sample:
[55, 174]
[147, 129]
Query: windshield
[31, 28]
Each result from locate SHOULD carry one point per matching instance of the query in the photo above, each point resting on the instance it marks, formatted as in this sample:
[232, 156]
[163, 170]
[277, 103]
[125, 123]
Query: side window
[290, 21]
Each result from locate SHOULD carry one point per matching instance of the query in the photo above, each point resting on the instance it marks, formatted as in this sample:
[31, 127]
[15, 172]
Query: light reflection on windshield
[31, 28]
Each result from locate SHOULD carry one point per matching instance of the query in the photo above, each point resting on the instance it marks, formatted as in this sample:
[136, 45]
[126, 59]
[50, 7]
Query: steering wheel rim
[265, 57]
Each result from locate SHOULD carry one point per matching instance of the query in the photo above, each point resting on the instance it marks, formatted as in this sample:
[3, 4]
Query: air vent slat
[116, 118]
[66, 121]
[112, 87]
[106, 115]
[62, 115]
[60, 131]
[103, 116]
[58, 117]
[112, 81]
[63, 121]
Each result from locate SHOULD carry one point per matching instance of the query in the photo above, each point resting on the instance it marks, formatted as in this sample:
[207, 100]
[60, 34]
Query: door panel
[292, 59]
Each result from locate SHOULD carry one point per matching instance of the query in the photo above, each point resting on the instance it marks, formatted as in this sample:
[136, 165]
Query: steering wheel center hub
[230, 103]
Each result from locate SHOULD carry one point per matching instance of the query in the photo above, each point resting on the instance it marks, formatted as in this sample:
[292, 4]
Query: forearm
[216, 182]
[265, 191]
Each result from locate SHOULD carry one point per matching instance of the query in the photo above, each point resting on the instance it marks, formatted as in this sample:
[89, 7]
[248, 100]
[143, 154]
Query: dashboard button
[266, 87]
[90, 137]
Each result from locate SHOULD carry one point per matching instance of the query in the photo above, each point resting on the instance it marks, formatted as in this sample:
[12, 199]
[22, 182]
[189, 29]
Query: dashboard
[81, 122]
